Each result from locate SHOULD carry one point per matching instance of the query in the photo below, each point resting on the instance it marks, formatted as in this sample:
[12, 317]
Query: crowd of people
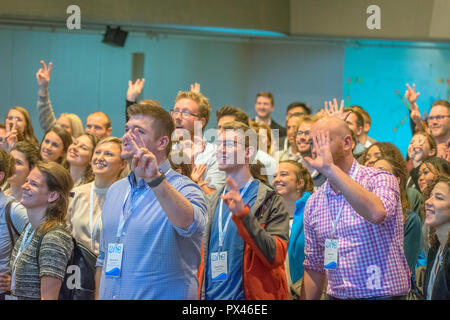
[315, 209]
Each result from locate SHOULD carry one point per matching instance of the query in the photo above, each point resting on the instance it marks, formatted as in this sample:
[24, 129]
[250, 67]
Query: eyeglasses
[306, 133]
[439, 118]
[184, 114]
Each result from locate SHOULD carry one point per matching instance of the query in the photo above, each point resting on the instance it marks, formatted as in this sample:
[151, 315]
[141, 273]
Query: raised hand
[333, 110]
[415, 150]
[12, 137]
[197, 173]
[323, 158]
[135, 89]
[233, 198]
[411, 94]
[195, 87]
[144, 163]
[43, 75]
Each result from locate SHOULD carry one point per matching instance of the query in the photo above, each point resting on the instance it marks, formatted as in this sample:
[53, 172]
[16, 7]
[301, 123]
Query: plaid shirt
[371, 261]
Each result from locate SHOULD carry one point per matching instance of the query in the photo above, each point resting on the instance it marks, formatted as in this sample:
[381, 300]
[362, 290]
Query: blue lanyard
[333, 232]
[133, 206]
[223, 232]
[24, 244]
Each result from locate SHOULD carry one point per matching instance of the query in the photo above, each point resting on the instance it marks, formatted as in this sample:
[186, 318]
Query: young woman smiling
[79, 155]
[437, 276]
[54, 145]
[86, 205]
[40, 255]
[25, 155]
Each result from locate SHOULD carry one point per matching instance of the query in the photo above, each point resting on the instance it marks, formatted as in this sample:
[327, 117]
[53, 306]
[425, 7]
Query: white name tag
[331, 254]
[10, 297]
[114, 260]
[219, 266]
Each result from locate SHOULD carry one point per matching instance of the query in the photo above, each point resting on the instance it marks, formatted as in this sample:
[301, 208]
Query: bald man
[353, 224]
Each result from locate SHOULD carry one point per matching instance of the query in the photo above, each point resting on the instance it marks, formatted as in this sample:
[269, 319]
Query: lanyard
[133, 206]
[92, 229]
[223, 232]
[333, 232]
[24, 244]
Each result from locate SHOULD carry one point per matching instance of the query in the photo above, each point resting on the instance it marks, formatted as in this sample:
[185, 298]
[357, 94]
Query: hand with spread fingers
[12, 137]
[197, 173]
[43, 77]
[333, 110]
[322, 150]
[195, 87]
[412, 96]
[5, 282]
[135, 89]
[233, 198]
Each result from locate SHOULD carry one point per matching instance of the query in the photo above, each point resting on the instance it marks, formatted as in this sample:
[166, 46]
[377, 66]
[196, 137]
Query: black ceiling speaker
[115, 37]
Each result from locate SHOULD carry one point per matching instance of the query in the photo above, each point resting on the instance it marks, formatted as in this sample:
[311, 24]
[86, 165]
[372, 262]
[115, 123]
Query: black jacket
[441, 288]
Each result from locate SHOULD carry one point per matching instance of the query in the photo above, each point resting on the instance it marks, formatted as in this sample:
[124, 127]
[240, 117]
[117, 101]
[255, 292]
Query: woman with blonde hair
[40, 255]
[87, 200]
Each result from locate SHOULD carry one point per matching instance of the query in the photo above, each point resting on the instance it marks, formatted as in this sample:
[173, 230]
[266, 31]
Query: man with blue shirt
[243, 258]
[153, 220]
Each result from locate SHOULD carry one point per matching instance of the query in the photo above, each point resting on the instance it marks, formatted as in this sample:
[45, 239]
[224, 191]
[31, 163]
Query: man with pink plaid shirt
[353, 224]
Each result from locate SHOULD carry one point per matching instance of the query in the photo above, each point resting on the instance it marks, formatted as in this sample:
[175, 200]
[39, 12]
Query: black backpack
[79, 281]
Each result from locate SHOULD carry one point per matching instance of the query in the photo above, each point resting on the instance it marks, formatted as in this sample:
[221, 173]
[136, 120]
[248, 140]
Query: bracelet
[155, 182]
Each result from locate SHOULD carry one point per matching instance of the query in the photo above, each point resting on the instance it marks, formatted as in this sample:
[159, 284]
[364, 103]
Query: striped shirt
[371, 260]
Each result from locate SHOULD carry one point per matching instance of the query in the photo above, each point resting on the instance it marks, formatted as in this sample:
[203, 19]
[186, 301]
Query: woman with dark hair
[412, 224]
[437, 275]
[40, 255]
[430, 169]
[422, 146]
[79, 155]
[381, 150]
[294, 183]
[25, 155]
[55, 144]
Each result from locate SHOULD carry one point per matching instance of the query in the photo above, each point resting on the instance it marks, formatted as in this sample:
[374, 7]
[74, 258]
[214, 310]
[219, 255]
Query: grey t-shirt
[19, 219]
[53, 256]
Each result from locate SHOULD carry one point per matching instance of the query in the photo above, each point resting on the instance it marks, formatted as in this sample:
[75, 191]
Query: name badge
[219, 266]
[114, 260]
[10, 297]
[331, 254]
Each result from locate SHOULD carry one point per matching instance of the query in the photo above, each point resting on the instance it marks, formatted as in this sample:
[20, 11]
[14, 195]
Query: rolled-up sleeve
[196, 197]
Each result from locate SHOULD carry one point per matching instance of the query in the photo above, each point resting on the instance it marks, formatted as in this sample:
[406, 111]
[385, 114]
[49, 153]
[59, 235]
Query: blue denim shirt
[160, 260]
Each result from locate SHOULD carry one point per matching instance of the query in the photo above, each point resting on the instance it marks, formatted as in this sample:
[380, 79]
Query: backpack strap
[11, 228]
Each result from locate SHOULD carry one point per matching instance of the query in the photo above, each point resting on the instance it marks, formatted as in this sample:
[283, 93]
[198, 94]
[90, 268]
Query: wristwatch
[155, 182]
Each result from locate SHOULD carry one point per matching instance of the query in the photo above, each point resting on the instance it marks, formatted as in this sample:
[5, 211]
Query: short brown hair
[266, 95]
[443, 103]
[163, 124]
[204, 108]
[66, 139]
[238, 114]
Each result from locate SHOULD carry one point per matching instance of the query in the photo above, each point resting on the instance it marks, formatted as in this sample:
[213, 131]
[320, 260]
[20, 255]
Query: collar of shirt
[329, 190]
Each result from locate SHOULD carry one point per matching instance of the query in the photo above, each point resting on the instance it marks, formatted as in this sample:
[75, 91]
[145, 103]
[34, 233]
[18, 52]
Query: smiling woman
[40, 255]
[87, 200]
[79, 155]
[437, 276]
[54, 145]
